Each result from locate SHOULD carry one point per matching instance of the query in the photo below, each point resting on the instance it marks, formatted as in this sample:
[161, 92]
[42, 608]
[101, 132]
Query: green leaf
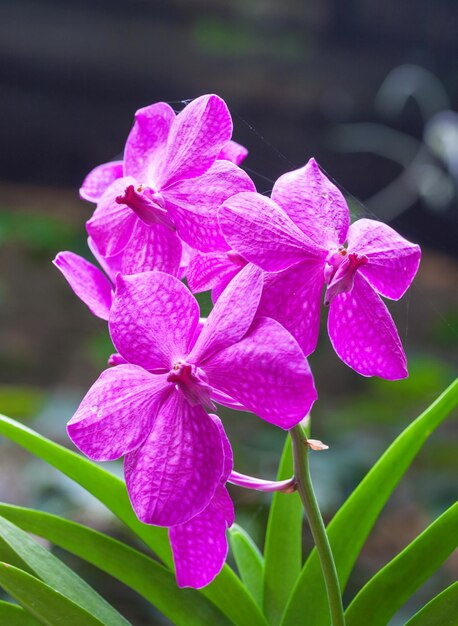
[353, 522]
[283, 547]
[41, 563]
[249, 560]
[107, 488]
[14, 615]
[442, 610]
[50, 607]
[392, 586]
[226, 591]
[136, 570]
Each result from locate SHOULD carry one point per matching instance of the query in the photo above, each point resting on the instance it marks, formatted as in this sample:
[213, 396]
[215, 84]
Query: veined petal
[234, 152]
[145, 147]
[197, 136]
[111, 265]
[153, 247]
[173, 476]
[227, 450]
[364, 335]
[205, 271]
[231, 316]
[392, 260]
[261, 232]
[267, 372]
[314, 204]
[117, 412]
[99, 179]
[200, 546]
[293, 298]
[87, 281]
[153, 319]
[193, 204]
[112, 223]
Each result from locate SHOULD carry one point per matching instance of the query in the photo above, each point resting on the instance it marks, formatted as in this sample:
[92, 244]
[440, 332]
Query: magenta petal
[145, 147]
[87, 281]
[152, 248]
[392, 260]
[112, 223]
[205, 271]
[99, 179]
[231, 316]
[200, 546]
[314, 204]
[153, 319]
[267, 372]
[110, 265]
[234, 152]
[364, 335]
[261, 232]
[197, 136]
[193, 204]
[173, 476]
[293, 298]
[117, 412]
[227, 450]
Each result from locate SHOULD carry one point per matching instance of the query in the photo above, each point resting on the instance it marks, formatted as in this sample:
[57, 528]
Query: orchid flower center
[192, 382]
[147, 203]
[340, 270]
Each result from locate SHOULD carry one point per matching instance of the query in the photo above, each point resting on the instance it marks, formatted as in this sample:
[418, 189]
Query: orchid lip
[192, 382]
[340, 270]
[147, 203]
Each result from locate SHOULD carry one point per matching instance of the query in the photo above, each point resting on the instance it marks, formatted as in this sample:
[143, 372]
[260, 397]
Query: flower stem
[305, 489]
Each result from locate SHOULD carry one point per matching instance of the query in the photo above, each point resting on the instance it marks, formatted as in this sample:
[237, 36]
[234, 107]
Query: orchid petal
[146, 144]
[153, 319]
[293, 298]
[193, 204]
[117, 412]
[111, 265]
[205, 271]
[197, 136]
[99, 179]
[276, 384]
[87, 281]
[392, 260]
[152, 248]
[227, 450]
[364, 335]
[234, 152]
[112, 223]
[314, 204]
[173, 476]
[231, 316]
[261, 232]
[200, 546]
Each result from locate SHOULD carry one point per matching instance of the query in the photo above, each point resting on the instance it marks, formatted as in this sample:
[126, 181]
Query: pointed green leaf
[133, 568]
[393, 585]
[226, 591]
[249, 560]
[14, 615]
[443, 610]
[42, 564]
[283, 547]
[50, 607]
[353, 522]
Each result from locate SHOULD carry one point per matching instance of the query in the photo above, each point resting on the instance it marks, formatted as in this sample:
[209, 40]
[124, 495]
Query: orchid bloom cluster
[179, 206]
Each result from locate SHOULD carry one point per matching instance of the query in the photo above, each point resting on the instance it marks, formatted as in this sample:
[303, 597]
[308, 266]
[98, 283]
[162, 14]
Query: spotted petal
[99, 179]
[261, 232]
[117, 412]
[153, 319]
[234, 152]
[205, 271]
[173, 476]
[314, 204]
[393, 261]
[363, 333]
[87, 281]
[200, 546]
[266, 372]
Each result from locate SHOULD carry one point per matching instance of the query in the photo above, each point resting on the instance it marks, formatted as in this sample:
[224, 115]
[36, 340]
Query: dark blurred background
[368, 88]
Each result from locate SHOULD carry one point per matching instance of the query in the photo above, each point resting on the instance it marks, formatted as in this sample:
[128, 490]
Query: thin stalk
[305, 489]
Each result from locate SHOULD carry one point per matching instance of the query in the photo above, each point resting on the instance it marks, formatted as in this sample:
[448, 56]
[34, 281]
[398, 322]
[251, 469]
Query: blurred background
[369, 88]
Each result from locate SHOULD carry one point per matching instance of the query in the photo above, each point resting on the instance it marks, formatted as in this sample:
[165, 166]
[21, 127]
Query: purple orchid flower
[302, 237]
[150, 409]
[177, 170]
[213, 271]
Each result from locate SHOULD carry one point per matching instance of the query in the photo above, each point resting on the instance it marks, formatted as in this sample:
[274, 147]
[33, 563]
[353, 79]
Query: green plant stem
[305, 489]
